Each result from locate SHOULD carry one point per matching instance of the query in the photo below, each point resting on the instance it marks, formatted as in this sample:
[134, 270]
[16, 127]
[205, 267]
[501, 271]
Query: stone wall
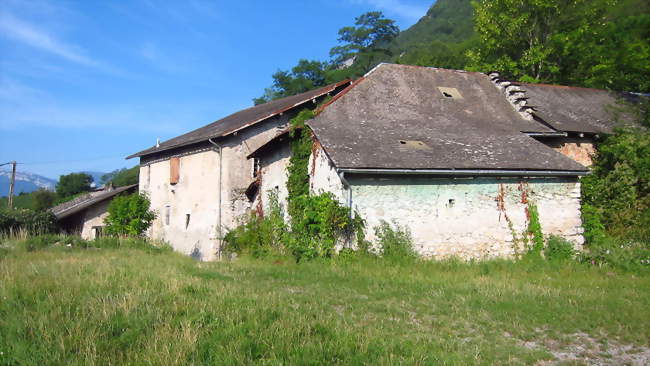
[581, 150]
[273, 178]
[468, 218]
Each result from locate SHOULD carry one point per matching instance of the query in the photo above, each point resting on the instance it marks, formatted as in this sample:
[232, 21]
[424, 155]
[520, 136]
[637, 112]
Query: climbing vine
[318, 222]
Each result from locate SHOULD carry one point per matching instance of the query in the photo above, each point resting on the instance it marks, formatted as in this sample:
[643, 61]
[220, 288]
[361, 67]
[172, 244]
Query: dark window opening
[187, 220]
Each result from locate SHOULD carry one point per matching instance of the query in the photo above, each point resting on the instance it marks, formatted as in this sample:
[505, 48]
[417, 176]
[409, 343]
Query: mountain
[449, 21]
[25, 182]
[440, 38]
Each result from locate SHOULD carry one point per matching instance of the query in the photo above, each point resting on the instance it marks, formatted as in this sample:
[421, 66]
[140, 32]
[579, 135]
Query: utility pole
[11, 184]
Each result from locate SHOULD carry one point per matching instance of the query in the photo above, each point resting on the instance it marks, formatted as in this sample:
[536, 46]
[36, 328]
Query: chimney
[157, 142]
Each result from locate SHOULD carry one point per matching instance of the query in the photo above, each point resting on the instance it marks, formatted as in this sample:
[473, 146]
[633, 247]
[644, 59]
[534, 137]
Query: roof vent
[414, 144]
[450, 93]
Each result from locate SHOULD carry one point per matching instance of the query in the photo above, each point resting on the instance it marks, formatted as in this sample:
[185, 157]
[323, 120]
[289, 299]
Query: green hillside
[446, 21]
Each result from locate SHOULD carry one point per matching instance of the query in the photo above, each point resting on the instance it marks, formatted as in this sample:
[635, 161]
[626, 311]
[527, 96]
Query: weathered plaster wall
[273, 170]
[323, 175]
[197, 193]
[581, 150]
[468, 218]
[94, 216]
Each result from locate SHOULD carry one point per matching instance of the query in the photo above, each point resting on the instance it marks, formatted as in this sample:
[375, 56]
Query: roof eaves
[325, 90]
[91, 201]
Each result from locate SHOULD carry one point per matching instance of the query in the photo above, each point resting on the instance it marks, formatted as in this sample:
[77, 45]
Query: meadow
[119, 303]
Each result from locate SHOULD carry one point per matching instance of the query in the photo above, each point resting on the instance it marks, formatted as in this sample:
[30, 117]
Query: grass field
[62, 306]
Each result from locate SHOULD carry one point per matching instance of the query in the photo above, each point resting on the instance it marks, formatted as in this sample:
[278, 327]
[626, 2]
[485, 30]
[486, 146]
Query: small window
[450, 93]
[168, 214]
[187, 221]
[256, 167]
[174, 170]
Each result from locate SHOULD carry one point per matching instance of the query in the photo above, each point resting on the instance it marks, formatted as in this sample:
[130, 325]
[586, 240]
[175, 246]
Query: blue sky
[85, 83]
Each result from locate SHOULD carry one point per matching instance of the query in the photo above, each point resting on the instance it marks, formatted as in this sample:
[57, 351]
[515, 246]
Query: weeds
[125, 306]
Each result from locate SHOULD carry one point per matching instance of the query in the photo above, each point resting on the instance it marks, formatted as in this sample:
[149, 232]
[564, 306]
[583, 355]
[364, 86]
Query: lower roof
[81, 203]
[575, 109]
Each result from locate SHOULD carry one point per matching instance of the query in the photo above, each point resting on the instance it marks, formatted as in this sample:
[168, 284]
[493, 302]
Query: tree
[305, 76]
[73, 183]
[371, 33]
[122, 177]
[580, 42]
[43, 199]
[129, 215]
[616, 195]
[368, 42]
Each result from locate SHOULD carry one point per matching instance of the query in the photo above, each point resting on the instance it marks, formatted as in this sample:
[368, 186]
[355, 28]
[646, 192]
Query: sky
[84, 83]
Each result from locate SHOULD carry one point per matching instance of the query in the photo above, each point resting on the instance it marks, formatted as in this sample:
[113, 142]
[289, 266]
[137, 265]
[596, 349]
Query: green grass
[107, 306]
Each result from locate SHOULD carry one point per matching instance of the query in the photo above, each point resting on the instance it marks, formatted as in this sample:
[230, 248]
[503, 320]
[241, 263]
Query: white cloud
[398, 7]
[30, 35]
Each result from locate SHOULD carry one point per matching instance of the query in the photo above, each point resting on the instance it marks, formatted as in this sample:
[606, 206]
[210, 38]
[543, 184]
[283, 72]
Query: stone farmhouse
[85, 214]
[455, 156]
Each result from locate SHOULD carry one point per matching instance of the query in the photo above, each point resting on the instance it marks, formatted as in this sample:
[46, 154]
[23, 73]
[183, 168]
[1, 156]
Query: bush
[558, 249]
[625, 254]
[33, 223]
[259, 236]
[395, 242]
[320, 225]
[129, 215]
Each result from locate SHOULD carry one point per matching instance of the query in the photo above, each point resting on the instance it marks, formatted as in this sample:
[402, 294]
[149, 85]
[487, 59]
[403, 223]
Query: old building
[447, 154]
[455, 156]
[197, 182]
[85, 214]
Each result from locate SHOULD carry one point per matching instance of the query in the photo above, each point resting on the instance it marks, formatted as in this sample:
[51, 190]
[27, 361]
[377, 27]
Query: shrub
[32, 222]
[625, 254]
[320, 225]
[260, 236]
[129, 215]
[558, 249]
[395, 242]
[616, 196]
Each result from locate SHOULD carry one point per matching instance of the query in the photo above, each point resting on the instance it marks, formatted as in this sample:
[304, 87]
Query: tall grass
[114, 306]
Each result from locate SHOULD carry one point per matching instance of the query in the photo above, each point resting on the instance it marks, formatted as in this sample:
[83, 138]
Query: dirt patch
[581, 348]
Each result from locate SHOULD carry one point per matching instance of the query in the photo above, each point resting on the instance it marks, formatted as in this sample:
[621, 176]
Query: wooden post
[11, 184]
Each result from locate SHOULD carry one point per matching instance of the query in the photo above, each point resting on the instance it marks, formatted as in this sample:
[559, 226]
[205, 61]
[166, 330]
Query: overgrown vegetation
[394, 241]
[318, 221]
[65, 305]
[129, 215]
[13, 221]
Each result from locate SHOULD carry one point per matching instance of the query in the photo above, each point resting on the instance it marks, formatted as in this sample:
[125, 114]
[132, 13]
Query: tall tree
[370, 36]
[43, 199]
[579, 42]
[73, 183]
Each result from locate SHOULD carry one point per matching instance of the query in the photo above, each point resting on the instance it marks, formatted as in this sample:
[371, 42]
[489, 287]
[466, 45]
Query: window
[174, 170]
[256, 167]
[168, 213]
[187, 221]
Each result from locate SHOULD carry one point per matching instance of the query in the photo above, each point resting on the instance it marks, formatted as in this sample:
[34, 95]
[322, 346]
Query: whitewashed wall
[197, 192]
[462, 217]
